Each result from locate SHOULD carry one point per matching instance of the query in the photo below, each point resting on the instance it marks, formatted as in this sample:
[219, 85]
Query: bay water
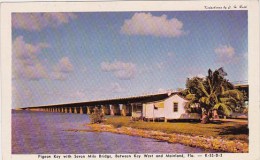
[47, 133]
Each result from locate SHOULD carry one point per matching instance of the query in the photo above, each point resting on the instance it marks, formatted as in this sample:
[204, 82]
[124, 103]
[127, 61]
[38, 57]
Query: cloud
[122, 70]
[62, 69]
[25, 61]
[225, 51]
[38, 21]
[197, 75]
[21, 96]
[226, 54]
[147, 24]
[64, 65]
[58, 76]
[27, 64]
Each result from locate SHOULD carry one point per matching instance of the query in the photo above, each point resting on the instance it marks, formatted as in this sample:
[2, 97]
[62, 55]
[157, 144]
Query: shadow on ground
[235, 130]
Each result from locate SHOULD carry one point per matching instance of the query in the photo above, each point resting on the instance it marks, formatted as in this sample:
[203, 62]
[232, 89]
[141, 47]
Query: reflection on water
[43, 132]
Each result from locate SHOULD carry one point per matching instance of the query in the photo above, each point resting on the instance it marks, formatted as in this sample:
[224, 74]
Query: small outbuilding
[171, 108]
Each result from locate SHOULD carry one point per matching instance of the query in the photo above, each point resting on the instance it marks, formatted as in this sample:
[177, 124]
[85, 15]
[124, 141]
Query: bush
[96, 116]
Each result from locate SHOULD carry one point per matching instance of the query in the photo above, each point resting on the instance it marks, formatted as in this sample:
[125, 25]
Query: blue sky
[74, 57]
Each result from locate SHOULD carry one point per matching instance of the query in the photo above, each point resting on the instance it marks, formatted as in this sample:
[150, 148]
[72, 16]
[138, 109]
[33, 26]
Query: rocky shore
[221, 145]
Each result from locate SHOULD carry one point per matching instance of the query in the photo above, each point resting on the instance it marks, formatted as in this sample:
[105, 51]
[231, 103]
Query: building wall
[150, 112]
[168, 109]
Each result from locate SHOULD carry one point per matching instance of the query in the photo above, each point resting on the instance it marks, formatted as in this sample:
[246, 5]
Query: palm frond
[190, 96]
[225, 108]
[234, 93]
[205, 100]
[229, 99]
[202, 88]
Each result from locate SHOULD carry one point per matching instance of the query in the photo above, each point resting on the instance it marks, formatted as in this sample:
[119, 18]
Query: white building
[170, 108]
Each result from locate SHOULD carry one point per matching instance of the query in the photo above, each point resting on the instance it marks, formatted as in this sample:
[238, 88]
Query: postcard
[130, 80]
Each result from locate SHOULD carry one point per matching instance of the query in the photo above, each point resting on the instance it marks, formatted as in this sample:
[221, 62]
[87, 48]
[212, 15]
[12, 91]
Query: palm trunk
[215, 114]
[204, 119]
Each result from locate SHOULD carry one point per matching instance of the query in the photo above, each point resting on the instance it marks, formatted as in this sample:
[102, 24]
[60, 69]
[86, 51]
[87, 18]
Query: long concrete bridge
[120, 106]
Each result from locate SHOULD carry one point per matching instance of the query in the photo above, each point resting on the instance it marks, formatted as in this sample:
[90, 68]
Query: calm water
[41, 132]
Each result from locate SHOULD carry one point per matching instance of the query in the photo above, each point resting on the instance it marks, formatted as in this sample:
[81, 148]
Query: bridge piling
[81, 110]
[75, 110]
[123, 110]
[105, 110]
[112, 110]
[88, 110]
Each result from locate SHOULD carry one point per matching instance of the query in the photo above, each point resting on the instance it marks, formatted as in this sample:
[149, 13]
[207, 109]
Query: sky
[75, 57]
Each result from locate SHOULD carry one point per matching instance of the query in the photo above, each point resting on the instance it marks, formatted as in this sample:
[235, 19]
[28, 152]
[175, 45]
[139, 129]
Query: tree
[213, 93]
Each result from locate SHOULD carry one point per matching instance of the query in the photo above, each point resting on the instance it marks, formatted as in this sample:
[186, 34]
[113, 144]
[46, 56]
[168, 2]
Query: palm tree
[213, 93]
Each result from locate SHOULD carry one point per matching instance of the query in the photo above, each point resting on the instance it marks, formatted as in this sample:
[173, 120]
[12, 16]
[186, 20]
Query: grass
[225, 130]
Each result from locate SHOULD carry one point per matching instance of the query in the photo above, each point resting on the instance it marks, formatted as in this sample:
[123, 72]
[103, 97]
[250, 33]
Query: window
[175, 107]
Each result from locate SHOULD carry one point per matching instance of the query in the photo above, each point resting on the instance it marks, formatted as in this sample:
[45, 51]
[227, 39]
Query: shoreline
[218, 144]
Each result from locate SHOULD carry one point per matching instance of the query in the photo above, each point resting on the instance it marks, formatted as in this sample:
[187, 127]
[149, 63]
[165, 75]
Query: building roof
[161, 100]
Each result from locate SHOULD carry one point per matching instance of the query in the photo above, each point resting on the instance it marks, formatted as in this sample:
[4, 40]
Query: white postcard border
[253, 53]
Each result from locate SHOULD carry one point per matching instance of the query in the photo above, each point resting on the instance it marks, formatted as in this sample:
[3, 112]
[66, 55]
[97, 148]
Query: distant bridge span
[119, 106]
